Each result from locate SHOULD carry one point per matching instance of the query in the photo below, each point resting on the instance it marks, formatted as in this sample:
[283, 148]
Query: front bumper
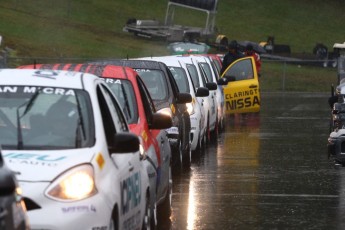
[44, 213]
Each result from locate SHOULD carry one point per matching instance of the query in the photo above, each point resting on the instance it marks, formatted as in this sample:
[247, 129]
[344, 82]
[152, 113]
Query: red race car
[143, 120]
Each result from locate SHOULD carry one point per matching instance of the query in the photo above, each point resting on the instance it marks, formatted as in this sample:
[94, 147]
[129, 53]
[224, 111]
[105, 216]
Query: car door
[128, 164]
[160, 140]
[199, 81]
[242, 93]
[212, 98]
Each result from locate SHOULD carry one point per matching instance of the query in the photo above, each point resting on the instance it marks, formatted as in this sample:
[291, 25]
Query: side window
[112, 115]
[172, 82]
[194, 75]
[215, 69]
[147, 101]
[120, 119]
[203, 75]
[108, 122]
[207, 69]
[241, 70]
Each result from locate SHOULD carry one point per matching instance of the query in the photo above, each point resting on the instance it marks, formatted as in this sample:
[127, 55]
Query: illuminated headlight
[190, 108]
[166, 111]
[18, 193]
[141, 149]
[75, 184]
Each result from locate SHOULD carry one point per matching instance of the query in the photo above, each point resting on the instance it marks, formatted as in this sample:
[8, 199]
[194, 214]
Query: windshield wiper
[28, 105]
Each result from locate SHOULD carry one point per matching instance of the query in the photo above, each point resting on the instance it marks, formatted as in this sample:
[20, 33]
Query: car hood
[44, 165]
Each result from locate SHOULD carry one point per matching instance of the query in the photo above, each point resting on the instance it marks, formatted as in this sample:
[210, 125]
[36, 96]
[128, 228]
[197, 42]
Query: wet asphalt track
[267, 171]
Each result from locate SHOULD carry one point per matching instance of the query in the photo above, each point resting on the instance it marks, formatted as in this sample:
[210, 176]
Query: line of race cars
[92, 145]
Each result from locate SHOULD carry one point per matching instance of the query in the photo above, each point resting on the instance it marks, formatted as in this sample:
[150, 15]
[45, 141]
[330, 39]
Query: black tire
[177, 152]
[186, 157]
[208, 132]
[148, 220]
[214, 133]
[114, 222]
[164, 209]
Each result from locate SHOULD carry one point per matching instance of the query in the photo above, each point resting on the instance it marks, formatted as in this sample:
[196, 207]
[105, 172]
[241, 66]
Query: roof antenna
[34, 63]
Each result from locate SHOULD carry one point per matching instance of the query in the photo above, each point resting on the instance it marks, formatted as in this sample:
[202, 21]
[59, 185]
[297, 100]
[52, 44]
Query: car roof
[172, 60]
[133, 63]
[106, 71]
[42, 77]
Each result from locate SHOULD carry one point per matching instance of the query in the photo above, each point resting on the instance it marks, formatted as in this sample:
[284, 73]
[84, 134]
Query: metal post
[284, 75]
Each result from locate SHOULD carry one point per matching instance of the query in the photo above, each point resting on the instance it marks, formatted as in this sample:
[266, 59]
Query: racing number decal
[130, 192]
[131, 198]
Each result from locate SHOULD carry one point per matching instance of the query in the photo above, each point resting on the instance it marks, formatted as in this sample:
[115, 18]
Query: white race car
[179, 70]
[209, 104]
[65, 136]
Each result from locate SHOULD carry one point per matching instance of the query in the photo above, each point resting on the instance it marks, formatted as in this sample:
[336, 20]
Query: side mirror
[125, 142]
[202, 92]
[184, 98]
[7, 182]
[211, 86]
[222, 81]
[230, 78]
[160, 121]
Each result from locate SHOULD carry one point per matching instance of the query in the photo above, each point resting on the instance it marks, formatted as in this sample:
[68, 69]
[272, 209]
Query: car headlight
[190, 108]
[141, 148]
[75, 184]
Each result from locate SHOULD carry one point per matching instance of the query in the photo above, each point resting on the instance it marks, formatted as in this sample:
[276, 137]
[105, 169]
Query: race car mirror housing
[184, 98]
[222, 81]
[161, 121]
[202, 92]
[230, 78]
[124, 143]
[7, 182]
[211, 86]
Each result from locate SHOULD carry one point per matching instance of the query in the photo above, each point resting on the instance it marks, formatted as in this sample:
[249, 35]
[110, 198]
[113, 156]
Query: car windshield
[155, 83]
[124, 92]
[45, 118]
[181, 79]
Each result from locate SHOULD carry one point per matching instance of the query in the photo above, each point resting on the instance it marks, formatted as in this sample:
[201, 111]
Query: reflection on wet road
[267, 171]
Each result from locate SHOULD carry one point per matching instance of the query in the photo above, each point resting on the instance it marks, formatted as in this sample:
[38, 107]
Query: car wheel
[208, 132]
[176, 154]
[164, 209]
[186, 157]
[148, 218]
[114, 223]
[214, 133]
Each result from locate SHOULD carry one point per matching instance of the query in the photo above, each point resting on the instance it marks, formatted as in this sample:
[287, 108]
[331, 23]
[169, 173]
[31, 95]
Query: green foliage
[93, 29]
